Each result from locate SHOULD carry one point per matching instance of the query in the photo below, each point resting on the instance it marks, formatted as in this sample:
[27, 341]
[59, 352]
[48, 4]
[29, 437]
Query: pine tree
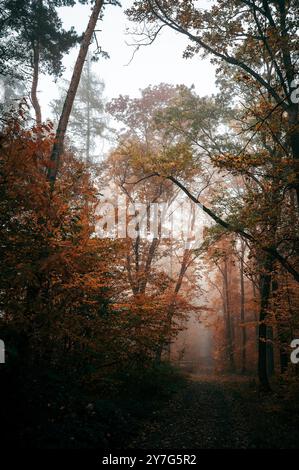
[32, 41]
[87, 121]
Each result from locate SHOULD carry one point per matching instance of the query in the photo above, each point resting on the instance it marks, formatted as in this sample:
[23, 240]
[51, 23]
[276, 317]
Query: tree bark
[88, 113]
[268, 250]
[265, 289]
[228, 319]
[270, 351]
[242, 307]
[284, 334]
[71, 94]
[164, 339]
[294, 143]
[34, 85]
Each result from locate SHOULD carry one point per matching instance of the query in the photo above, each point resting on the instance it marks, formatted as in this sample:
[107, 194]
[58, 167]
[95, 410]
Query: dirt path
[212, 413]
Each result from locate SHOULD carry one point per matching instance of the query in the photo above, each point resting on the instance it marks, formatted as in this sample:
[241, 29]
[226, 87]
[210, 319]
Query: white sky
[160, 62]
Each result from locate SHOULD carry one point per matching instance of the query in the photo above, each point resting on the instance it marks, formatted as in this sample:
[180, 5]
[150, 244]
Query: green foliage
[28, 24]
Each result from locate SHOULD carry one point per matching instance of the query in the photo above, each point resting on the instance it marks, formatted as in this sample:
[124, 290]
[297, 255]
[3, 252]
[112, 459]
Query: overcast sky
[160, 62]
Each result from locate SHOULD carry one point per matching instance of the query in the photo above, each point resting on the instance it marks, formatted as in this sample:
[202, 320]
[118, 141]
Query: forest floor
[221, 412]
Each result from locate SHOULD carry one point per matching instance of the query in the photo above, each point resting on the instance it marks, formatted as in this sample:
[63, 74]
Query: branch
[229, 59]
[228, 226]
[270, 250]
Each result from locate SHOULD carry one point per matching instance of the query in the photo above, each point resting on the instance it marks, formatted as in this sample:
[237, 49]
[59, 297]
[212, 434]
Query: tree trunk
[164, 338]
[284, 333]
[34, 99]
[71, 93]
[294, 142]
[270, 351]
[265, 289]
[228, 320]
[88, 112]
[242, 308]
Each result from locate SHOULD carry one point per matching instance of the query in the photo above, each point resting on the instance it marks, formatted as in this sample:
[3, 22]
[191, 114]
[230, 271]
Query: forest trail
[213, 412]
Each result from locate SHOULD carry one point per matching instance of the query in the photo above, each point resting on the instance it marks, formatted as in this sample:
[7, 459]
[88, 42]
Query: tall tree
[72, 90]
[87, 120]
[254, 214]
[242, 304]
[36, 27]
[252, 36]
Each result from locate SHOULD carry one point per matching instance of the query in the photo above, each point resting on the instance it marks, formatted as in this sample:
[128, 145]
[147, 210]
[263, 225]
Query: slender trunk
[71, 93]
[34, 85]
[88, 112]
[284, 334]
[290, 76]
[270, 351]
[242, 307]
[265, 289]
[229, 325]
[294, 143]
[147, 265]
[165, 335]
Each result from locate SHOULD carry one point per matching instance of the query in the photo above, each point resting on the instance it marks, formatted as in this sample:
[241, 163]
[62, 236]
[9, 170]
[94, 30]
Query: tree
[231, 292]
[37, 30]
[144, 144]
[87, 121]
[245, 35]
[72, 90]
[14, 91]
[242, 304]
[255, 213]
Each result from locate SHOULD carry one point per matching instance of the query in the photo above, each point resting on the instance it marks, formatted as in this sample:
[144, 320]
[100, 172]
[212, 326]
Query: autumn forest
[149, 250]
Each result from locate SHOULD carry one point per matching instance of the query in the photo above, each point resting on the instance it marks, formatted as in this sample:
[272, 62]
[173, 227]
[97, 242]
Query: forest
[149, 247]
